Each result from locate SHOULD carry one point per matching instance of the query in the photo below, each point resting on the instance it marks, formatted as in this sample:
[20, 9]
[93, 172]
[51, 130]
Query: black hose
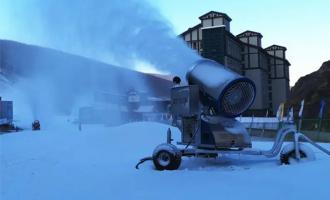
[142, 161]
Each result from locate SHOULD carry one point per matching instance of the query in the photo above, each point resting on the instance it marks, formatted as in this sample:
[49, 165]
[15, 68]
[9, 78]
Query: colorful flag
[280, 112]
[290, 114]
[301, 108]
[322, 108]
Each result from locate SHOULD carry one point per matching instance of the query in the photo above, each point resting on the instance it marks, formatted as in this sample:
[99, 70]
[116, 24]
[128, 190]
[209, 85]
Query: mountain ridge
[313, 88]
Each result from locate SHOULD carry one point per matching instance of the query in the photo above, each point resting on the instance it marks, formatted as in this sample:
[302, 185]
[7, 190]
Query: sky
[300, 25]
[303, 26]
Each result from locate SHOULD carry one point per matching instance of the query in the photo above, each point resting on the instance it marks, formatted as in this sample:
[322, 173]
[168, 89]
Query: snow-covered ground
[61, 163]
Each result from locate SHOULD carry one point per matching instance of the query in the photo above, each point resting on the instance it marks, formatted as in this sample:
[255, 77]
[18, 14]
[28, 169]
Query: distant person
[79, 126]
[36, 125]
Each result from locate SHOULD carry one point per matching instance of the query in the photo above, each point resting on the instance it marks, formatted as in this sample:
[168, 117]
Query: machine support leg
[169, 136]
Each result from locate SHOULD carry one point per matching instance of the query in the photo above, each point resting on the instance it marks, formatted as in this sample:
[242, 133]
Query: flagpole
[320, 126]
[251, 124]
[263, 125]
[300, 123]
[322, 108]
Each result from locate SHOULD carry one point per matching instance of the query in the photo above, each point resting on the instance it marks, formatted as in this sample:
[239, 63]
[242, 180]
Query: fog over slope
[130, 33]
[127, 33]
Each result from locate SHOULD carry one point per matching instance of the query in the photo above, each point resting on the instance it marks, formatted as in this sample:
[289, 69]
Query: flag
[322, 106]
[290, 114]
[301, 108]
[280, 112]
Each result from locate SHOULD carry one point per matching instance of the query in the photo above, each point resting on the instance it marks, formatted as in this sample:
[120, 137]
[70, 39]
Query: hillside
[19, 60]
[312, 87]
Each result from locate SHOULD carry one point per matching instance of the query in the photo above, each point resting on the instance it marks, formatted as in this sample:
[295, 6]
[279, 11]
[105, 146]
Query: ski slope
[97, 163]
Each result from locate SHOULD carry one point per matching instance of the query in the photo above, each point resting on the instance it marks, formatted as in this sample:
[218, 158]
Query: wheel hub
[164, 159]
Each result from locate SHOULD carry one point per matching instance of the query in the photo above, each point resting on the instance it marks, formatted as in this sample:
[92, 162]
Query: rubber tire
[288, 152]
[174, 157]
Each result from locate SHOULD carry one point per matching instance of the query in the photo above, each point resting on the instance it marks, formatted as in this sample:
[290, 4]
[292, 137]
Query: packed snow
[61, 162]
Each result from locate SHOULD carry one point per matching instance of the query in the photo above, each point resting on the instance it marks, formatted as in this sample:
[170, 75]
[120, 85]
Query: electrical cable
[142, 161]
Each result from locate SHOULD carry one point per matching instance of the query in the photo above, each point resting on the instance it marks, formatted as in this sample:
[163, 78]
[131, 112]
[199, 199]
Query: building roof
[275, 47]
[249, 33]
[265, 52]
[214, 14]
[209, 15]
[212, 27]
[284, 59]
[191, 29]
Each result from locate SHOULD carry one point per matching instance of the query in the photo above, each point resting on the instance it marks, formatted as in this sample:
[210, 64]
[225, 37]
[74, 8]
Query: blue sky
[302, 26]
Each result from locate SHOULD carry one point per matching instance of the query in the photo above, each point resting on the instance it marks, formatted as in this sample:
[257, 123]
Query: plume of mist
[115, 31]
[127, 33]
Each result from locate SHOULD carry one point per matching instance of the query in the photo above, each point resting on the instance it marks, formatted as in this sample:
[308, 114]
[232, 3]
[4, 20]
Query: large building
[243, 53]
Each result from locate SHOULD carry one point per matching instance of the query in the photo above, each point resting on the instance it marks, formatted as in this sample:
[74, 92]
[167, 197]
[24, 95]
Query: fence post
[320, 128]
[320, 124]
[251, 124]
[263, 128]
[264, 124]
[299, 124]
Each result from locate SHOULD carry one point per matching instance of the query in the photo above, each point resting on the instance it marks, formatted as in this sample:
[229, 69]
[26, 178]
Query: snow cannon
[227, 92]
[204, 111]
[6, 112]
[6, 116]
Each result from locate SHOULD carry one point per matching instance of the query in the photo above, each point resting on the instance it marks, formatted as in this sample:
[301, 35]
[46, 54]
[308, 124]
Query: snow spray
[125, 33]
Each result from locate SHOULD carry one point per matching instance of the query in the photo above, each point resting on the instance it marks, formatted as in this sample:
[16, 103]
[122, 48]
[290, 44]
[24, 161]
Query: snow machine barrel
[229, 93]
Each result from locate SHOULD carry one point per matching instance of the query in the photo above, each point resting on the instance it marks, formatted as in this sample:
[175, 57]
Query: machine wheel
[288, 154]
[166, 157]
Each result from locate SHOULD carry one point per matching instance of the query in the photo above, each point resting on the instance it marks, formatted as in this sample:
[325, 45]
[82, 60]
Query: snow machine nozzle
[228, 92]
[176, 80]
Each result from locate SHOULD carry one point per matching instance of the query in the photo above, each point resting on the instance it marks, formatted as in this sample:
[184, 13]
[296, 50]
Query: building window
[194, 45]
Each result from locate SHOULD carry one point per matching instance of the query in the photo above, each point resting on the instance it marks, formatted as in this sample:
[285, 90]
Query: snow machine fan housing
[229, 93]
